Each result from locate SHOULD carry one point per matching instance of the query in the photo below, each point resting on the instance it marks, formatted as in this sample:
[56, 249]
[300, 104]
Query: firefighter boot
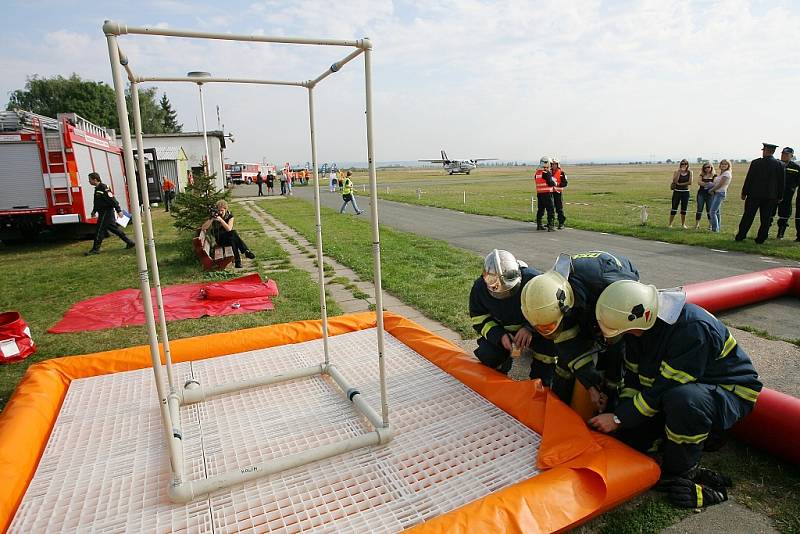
[550, 227]
[539, 225]
[781, 231]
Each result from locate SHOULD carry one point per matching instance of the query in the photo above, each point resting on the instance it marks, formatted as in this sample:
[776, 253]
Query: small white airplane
[458, 166]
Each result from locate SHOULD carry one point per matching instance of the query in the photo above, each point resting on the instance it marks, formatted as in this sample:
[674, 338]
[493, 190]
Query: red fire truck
[44, 169]
[245, 173]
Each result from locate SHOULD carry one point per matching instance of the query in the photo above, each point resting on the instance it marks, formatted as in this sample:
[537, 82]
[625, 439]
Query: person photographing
[221, 225]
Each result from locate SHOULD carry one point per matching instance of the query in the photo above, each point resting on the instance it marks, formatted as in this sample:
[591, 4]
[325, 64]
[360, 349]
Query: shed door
[21, 181]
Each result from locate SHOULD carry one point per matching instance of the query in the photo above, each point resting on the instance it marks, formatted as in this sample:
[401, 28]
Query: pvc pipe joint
[365, 43]
[114, 28]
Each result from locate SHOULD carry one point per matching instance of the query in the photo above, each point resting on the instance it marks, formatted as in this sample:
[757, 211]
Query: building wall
[195, 152]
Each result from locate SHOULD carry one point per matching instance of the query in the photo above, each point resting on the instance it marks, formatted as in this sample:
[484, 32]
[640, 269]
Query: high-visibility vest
[542, 187]
[347, 187]
[557, 180]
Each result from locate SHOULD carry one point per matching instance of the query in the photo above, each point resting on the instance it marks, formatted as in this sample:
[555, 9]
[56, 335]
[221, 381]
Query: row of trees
[94, 101]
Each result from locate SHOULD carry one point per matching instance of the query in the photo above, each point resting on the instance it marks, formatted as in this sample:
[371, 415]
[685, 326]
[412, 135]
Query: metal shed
[173, 163]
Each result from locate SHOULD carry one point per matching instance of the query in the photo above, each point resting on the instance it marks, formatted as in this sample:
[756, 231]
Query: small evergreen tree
[194, 205]
[170, 116]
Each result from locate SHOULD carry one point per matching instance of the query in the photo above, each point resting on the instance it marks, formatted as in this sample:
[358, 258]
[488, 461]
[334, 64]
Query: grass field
[42, 281]
[605, 198]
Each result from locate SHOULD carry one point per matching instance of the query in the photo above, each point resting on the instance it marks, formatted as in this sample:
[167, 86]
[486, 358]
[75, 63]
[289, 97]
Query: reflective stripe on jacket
[543, 187]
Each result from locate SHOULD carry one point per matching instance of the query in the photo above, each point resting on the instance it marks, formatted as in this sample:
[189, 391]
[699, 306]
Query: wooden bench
[212, 257]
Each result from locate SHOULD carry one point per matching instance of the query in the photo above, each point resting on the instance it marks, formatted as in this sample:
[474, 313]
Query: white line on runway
[718, 250]
[768, 260]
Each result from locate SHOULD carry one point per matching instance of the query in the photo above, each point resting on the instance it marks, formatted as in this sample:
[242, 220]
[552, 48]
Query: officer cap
[788, 150]
[770, 146]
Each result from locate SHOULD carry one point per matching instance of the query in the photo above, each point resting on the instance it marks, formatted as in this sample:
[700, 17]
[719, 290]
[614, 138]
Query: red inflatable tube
[774, 424]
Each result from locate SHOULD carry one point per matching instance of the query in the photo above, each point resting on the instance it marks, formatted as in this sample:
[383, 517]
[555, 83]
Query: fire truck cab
[44, 169]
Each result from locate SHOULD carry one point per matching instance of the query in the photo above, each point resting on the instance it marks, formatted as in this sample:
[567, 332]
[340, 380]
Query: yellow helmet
[545, 300]
[626, 305]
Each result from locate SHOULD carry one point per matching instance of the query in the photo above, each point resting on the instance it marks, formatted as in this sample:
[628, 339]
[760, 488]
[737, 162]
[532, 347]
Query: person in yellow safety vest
[560, 179]
[544, 194]
[347, 194]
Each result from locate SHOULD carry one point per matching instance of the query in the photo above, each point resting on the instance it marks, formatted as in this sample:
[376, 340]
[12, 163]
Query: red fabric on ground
[186, 301]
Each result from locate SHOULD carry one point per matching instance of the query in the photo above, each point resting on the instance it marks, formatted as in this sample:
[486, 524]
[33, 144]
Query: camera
[214, 212]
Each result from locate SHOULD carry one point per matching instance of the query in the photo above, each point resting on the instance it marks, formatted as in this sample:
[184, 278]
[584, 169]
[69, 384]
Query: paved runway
[663, 264]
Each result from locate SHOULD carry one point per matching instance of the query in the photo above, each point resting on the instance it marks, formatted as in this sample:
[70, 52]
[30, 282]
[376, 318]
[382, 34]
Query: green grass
[428, 274]
[43, 280]
[603, 198]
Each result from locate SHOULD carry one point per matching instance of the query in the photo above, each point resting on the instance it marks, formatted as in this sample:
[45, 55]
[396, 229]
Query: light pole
[200, 75]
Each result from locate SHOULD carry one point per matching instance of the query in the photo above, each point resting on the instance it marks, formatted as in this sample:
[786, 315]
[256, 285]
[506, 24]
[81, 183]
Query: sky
[583, 80]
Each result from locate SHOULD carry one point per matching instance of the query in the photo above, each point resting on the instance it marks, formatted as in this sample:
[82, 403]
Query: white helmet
[545, 301]
[626, 305]
[501, 272]
[544, 160]
[555, 160]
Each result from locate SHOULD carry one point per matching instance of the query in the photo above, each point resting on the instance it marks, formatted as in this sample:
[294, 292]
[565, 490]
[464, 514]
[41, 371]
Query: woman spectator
[718, 192]
[703, 196]
[681, 180]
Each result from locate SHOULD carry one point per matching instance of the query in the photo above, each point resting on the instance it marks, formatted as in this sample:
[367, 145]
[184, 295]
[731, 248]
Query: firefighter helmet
[545, 300]
[544, 161]
[501, 272]
[555, 160]
[626, 305]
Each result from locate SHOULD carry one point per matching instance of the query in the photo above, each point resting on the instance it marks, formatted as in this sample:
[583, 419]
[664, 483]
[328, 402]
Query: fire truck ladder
[54, 142]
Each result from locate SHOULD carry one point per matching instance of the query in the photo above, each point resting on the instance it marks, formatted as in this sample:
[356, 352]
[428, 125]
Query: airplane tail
[444, 156]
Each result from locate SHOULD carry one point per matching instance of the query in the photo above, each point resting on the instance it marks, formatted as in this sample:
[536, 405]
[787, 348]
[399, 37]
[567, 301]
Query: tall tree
[94, 101]
[170, 116]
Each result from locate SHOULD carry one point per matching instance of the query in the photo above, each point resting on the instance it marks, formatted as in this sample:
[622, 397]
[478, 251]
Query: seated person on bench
[221, 225]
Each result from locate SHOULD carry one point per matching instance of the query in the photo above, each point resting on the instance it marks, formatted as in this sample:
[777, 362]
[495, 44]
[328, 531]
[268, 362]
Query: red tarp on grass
[188, 301]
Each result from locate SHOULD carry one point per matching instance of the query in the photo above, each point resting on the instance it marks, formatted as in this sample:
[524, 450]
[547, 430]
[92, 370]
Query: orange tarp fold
[585, 473]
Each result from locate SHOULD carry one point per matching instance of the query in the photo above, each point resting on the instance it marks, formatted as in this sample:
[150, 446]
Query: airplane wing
[484, 159]
[434, 160]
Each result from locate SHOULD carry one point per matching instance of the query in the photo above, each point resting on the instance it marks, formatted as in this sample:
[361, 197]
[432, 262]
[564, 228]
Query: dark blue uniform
[763, 190]
[105, 206]
[682, 382]
[493, 318]
[579, 339]
[785, 207]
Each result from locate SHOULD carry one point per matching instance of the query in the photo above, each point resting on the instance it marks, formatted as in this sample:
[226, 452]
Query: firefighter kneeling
[687, 381]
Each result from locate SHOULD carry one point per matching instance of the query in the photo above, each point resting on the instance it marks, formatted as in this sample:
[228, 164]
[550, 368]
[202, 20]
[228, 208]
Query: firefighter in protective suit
[494, 308]
[686, 380]
[107, 209]
[543, 180]
[560, 306]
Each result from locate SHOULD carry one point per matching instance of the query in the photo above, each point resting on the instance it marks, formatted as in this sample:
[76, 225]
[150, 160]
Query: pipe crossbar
[171, 397]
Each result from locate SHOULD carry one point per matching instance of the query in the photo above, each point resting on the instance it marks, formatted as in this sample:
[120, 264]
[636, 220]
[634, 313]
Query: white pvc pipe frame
[171, 398]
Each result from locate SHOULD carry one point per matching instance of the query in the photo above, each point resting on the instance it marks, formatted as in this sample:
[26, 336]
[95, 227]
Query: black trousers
[168, 196]
[785, 209]
[558, 204]
[232, 239]
[689, 414]
[679, 198]
[107, 222]
[545, 203]
[499, 358]
[766, 211]
[260, 189]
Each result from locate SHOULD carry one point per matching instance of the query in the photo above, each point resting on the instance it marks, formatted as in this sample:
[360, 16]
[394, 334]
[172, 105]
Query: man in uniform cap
[762, 191]
[792, 180]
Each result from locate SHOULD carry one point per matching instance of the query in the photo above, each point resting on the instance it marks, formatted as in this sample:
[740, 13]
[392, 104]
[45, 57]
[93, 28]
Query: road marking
[718, 250]
[768, 260]
[604, 233]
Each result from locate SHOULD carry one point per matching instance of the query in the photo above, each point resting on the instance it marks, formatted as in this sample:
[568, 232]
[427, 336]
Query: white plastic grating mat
[105, 467]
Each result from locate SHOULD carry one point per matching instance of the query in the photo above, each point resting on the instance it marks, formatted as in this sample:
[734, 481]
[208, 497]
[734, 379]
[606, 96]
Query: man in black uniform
[107, 208]
[792, 170]
[560, 306]
[686, 380]
[494, 307]
[560, 179]
[762, 191]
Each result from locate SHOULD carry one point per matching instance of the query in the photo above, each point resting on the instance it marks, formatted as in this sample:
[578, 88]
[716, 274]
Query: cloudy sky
[583, 79]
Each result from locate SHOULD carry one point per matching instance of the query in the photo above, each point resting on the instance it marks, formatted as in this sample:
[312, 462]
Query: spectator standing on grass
[496, 315]
[706, 182]
[260, 184]
[270, 183]
[560, 179]
[543, 180]
[347, 194]
[718, 192]
[168, 187]
[762, 191]
[221, 224]
[792, 181]
[681, 180]
[283, 183]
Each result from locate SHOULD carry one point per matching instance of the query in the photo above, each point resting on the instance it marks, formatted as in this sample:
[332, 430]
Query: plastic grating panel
[105, 467]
